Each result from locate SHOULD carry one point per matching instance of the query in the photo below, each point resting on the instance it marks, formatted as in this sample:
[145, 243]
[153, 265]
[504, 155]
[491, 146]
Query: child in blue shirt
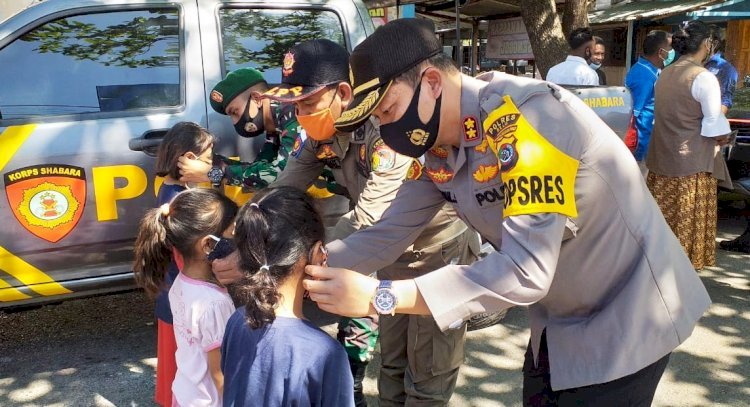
[272, 356]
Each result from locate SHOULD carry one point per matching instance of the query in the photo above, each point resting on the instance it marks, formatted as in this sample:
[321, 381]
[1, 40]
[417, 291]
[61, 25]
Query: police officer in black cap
[578, 238]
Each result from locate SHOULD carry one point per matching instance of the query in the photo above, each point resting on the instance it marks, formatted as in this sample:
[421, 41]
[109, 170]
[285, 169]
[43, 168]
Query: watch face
[384, 301]
[215, 174]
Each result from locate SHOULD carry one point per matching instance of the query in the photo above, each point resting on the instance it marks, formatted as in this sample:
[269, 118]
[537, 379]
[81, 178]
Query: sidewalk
[711, 368]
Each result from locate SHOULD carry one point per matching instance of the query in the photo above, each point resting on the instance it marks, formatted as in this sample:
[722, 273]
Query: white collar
[579, 60]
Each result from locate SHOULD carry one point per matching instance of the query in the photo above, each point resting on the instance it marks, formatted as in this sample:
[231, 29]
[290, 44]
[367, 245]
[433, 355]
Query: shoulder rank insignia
[485, 173]
[470, 128]
[415, 170]
[439, 152]
[439, 176]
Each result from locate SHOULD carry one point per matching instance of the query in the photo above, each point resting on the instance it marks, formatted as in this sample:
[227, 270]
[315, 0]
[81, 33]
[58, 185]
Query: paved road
[100, 351]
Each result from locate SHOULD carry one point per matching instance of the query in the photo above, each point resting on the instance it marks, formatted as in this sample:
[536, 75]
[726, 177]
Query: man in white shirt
[575, 69]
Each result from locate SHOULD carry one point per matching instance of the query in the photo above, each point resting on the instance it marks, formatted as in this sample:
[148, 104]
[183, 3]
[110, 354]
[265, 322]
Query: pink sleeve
[213, 323]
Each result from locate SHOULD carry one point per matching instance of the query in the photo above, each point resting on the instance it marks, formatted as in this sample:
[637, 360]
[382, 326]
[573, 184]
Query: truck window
[101, 62]
[259, 38]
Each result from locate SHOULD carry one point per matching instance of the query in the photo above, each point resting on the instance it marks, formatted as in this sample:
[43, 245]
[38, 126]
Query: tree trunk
[545, 33]
[575, 15]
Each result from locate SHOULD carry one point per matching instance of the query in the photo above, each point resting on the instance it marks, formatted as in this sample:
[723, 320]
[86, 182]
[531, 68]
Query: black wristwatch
[215, 175]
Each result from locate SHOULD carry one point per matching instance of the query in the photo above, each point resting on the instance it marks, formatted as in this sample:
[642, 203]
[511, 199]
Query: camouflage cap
[235, 83]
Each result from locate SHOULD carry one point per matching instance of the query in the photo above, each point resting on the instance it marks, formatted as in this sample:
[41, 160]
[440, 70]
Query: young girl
[193, 225]
[194, 142]
[271, 356]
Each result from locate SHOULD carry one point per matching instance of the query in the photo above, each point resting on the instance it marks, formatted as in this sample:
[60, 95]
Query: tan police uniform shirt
[583, 243]
[372, 173]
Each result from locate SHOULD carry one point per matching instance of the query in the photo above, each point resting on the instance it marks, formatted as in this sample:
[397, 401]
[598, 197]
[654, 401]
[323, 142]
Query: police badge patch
[47, 200]
[383, 158]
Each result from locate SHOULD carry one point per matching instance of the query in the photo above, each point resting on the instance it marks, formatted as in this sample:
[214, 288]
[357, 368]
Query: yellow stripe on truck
[8, 293]
[12, 139]
[29, 275]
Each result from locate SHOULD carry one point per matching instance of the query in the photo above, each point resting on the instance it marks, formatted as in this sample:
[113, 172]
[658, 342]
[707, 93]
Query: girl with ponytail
[271, 355]
[196, 225]
[189, 140]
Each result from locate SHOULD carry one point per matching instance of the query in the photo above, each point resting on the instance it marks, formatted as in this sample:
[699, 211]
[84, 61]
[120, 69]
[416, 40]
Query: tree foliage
[276, 31]
[129, 44]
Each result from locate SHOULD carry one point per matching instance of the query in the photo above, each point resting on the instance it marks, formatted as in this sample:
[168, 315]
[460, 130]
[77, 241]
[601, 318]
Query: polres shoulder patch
[537, 176]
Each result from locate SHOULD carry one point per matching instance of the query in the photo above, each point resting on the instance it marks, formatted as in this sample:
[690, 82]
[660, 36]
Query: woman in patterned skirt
[689, 128]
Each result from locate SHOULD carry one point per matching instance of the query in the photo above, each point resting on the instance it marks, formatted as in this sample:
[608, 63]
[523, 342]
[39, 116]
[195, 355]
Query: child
[271, 356]
[194, 142]
[192, 225]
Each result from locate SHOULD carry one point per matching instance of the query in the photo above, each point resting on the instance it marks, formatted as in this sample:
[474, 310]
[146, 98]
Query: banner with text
[508, 39]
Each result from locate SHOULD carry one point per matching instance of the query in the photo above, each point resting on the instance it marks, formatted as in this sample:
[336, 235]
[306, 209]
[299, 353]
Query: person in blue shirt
[271, 355]
[723, 70]
[640, 80]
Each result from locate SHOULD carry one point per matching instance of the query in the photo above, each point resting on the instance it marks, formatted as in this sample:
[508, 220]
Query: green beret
[235, 83]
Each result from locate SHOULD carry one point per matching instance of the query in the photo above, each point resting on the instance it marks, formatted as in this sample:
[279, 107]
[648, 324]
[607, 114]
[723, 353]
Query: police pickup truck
[88, 89]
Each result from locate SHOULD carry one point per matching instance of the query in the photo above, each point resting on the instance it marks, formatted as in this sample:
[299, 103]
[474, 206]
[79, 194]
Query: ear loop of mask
[324, 251]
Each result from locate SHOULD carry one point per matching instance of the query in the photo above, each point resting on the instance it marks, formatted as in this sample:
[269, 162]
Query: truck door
[86, 94]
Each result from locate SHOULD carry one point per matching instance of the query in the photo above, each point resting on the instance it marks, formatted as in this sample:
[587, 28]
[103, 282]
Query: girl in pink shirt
[198, 224]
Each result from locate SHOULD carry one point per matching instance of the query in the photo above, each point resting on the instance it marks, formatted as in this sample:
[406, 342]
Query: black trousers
[636, 389]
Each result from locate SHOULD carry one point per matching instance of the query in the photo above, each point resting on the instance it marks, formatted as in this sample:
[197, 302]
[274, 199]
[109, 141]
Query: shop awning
[648, 10]
[727, 10]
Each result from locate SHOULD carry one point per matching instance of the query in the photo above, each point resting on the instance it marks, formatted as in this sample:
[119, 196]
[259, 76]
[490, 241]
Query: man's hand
[227, 270]
[193, 170]
[341, 291]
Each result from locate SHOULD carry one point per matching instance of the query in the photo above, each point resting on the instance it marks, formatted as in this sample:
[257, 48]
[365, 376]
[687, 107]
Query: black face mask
[250, 127]
[223, 248]
[408, 135]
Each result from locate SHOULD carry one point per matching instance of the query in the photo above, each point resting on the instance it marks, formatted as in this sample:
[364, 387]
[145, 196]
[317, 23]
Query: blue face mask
[670, 57]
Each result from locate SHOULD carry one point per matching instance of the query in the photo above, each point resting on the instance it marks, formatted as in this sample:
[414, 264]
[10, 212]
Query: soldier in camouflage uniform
[238, 97]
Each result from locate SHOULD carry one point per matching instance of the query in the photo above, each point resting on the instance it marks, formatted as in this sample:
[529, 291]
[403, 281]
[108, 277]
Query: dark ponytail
[191, 216]
[152, 252]
[276, 229]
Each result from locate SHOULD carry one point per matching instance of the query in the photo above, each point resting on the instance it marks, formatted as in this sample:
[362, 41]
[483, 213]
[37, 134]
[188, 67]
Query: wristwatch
[215, 175]
[385, 300]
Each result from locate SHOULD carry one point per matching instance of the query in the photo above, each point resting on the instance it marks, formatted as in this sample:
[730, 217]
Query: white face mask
[595, 66]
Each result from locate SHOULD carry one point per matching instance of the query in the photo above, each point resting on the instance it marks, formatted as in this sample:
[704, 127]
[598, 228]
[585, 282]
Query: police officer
[239, 97]
[578, 237]
[419, 362]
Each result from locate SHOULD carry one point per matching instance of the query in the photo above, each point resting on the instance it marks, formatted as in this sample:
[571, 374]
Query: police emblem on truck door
[47, 200]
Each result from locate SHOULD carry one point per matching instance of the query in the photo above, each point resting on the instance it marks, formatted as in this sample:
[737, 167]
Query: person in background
[189, 140]
[193, 224]
[597, 58]
[688, 130]
[575, 69]
[271, 355]
[724, 71]
[640, 80]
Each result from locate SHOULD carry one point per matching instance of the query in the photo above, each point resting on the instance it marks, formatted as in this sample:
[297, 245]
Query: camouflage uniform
[272, 158]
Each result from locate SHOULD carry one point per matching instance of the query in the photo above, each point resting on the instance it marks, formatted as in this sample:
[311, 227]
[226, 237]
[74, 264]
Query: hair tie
[254, 205]
[264, 267]
[164, 210]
